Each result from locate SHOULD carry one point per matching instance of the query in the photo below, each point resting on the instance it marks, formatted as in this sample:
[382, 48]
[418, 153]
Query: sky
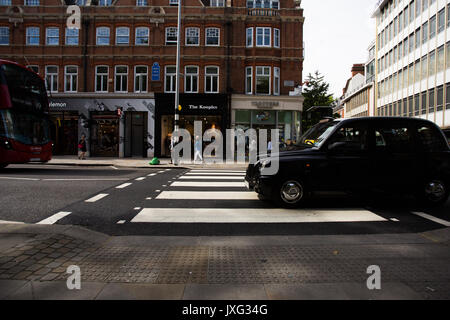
[337, 34]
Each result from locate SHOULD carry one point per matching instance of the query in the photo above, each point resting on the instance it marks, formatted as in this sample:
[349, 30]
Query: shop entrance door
[105, 134]
[135, 134]
[65, 132]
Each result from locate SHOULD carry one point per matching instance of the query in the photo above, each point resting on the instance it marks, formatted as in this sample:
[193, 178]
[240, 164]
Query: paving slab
[8, 240]
[56, 290]
[128, 291]
[85, 234]
[340, 291]
[8, 287]
[224, 292]
[149, 241]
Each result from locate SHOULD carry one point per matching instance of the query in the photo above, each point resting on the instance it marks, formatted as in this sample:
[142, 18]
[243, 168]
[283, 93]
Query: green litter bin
[154, 161]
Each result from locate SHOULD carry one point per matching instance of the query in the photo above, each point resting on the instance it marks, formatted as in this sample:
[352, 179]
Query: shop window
[191, 79]
[71, 78]
[101, 79]
[123, 35]
[72, 36]
[249, 37]
[102, 38]
[212, 79]
[170, 79]
[4, 35]
[121, 84]
[212, 36]
[192, 36]
[140, 79]
[171, 35]
[248, 80]
[51, 78]
[242, 116]
[142, 36]
[263, 37]
[263, 80]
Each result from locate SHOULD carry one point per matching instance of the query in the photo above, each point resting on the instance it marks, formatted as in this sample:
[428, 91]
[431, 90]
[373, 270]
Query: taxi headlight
[265, 163]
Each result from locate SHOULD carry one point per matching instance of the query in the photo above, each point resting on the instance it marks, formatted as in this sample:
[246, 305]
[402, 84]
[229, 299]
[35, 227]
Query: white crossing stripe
[199, 184]
[219, 171]
[151, 175]
[97, 197]
[54, 218]
[10, 222]
[215, 174]
[121, 222]
[123, 185]
[140, 179]
[210, 195]
[212, 177]
[206, 215]
[434, 219]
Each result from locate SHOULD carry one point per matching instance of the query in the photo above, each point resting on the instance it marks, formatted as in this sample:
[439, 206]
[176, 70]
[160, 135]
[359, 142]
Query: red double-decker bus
[24, 118]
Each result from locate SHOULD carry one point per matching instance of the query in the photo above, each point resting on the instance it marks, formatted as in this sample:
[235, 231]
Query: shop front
[114, 127]
[210, 109]
[268, 112]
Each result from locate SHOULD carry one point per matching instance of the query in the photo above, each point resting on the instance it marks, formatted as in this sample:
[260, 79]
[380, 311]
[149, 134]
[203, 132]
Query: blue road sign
[155, 71]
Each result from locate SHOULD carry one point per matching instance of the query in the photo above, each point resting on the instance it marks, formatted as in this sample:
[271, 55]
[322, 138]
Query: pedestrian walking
[198, 149]
[82, 147]
[269, 146]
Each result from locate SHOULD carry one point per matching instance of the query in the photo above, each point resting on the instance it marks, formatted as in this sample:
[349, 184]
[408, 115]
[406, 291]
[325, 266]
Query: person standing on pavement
[82, 147]
[198, 149]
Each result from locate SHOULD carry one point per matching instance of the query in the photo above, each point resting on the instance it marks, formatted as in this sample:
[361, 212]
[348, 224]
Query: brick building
[241, 63]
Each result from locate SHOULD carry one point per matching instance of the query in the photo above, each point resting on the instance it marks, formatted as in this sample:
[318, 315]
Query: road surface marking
[210, 195]
[200, 184]
[29, 179]
[160, 171]
[215, 173]
[148, 198]
[67, 179]
[394, 219]
[121, 222]
[114, 168]
[157, 190]
[137, 208]
[151, 175]
[123, 185]
[97, 197]
[10, 222]
[54, 218]
[434, 219]
[212, 177]
[205, 215]
[219, 171]
[140, 179]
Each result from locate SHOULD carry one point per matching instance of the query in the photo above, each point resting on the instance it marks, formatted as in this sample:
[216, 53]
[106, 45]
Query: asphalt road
[181, 202]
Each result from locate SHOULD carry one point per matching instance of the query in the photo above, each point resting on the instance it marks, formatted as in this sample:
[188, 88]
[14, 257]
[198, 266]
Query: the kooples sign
[203, 107]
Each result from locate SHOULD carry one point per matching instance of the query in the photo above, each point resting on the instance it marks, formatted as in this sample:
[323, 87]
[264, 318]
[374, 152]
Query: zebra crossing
[219, 196]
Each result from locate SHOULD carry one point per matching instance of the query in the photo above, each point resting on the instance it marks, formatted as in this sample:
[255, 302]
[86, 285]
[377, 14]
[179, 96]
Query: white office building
[412, 55]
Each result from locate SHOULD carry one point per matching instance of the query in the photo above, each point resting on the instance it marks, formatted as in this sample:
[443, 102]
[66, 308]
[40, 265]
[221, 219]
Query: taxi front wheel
[291, 193]
[434, 192]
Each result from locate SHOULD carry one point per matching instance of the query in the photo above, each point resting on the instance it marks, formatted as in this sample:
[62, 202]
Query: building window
[425, 32]
[447, 97]
[418, 38]
[142, 36]
[34, 68]
[432, 27]
[141, 3]
[4, 35]
[276, 38]
[51, 78]
[276, 81]
[212, 36]
[212, 79]
[440, 98]
[170, 79]
[249, 37]
[263, 80]
[140, 79]
[263, 37]
[440, 59]
[192, 36]
[431, 101]
[102, 36]
[173, 2]
[5, 2]
[432, 63]
[101, 79]
[104, 3]
[267, 4]
[52, 36]
[191, 79]
[441, 21]
[171, 35]
[121, 78]
[72, 36]
[123, 35]
[71, 77]
[217, 3]
[31, 2]
[33, 36]
[248, 80]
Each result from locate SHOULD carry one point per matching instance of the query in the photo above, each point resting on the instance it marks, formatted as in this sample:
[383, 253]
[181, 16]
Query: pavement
[34, 261]
[133, 163]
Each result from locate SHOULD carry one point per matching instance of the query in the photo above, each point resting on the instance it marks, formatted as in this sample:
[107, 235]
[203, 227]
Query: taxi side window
[429, 139]
[355, 138]
[393, 139]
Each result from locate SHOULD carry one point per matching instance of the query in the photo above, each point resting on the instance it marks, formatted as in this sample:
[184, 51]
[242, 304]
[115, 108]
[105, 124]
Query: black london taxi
[388, 154]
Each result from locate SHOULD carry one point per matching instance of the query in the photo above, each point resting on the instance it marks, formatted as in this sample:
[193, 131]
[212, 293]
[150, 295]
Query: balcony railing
[262, 12]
